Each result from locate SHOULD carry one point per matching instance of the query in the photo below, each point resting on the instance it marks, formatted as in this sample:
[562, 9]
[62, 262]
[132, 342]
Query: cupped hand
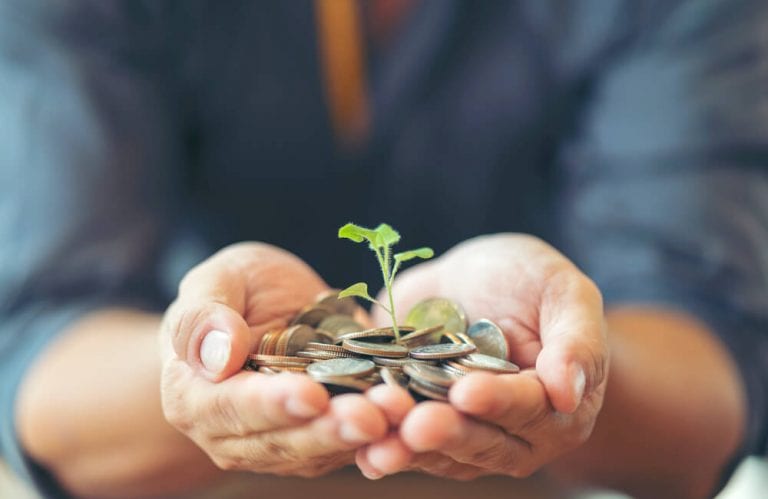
[552, 317]
[282, 424]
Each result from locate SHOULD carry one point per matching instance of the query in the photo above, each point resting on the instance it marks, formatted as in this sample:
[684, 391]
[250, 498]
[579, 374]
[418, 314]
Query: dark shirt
[138, 137]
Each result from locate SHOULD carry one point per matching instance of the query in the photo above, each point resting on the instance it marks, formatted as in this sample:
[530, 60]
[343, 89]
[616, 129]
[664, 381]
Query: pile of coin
[437, 346]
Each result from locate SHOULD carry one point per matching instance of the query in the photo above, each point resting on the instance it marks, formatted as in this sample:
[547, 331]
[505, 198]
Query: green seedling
[380, 241]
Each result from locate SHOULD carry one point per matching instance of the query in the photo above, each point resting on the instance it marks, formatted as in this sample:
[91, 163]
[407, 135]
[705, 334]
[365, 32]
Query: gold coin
[436, 311]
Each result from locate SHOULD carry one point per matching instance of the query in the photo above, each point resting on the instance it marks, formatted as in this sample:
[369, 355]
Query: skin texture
[246, 421]
[552, 315]
[647, 439]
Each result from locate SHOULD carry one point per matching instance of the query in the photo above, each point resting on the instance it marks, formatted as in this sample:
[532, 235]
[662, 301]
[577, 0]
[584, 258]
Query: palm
[505, 280]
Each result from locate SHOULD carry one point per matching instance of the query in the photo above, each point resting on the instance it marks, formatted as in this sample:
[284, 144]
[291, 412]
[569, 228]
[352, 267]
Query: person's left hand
[510, 424]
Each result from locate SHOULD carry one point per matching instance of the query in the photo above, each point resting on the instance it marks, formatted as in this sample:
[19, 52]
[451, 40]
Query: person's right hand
[282, 424]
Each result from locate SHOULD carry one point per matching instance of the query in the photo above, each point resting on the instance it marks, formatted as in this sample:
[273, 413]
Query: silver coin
[438, 311]
[311, 316]
[343, 384]
[489, 338]
[338, 324]
[393, 378]
[442, 351]
[423, 336]
[429, 374]
[375, 349]
[429, 390]
[355, 368]
[488, 363]
[330, 300]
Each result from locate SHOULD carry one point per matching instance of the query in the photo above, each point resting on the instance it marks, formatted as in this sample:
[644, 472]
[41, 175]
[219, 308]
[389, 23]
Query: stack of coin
[436, 348]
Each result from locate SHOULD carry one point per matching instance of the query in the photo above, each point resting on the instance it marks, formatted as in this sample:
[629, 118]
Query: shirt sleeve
[86, 155]
[666, 193]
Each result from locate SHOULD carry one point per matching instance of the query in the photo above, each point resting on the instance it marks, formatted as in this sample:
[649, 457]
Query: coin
[456, 369]
[375, 349]
[420, 336]
[294, 339]
[311, 316]
[488, 363]
[399, 363]
[268, 342]
[313, 345]
[341, 368]
[451, 338]
[261, 359]
[489, 338]
[379, 333]
[429, 374]
[393, 378]
[342, 384]
[436, 311]
[323, 355]
[339, 324]
[442, 351]
[341, 306]
[429, 390]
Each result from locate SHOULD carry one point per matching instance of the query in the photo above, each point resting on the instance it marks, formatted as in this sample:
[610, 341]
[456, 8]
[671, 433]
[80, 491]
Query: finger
[394, 402]
[249, 403]
[227, 302]
[516, 402]
[574, 356]
[438, 464]
[434, 426]
[351, 422]
[206, 323]
[385, 457]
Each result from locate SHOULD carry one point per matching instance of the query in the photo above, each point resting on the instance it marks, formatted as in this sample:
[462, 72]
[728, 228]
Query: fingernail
[372, 474]
[300, 409]
[215, 350]
[352, 434]
[579, 382]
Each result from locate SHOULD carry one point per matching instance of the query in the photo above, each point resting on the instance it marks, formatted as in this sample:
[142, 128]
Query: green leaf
[424, 253]
[358, 289]
[357, 233]
[386, 236]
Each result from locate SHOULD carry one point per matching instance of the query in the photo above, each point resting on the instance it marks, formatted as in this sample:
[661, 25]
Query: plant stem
[385, 272]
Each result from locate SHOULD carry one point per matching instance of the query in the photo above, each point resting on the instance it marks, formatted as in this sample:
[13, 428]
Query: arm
[110, 438]
[674, 412]
[87, 151]
[665, 208]
[89, 411]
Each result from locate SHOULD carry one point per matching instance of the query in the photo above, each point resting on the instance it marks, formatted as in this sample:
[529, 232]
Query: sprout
[380, 241]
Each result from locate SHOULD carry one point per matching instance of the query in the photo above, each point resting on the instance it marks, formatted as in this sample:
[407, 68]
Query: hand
[552, 316]
[283, 424]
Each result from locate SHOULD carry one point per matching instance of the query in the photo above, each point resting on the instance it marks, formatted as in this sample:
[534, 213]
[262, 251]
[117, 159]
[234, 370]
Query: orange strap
[340, 39]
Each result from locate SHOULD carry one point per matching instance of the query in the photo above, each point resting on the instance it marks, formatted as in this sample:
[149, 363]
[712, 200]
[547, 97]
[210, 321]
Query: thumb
[212, 338]
[574, 356]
